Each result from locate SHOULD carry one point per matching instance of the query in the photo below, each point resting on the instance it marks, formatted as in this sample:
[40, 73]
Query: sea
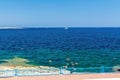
[57, 47]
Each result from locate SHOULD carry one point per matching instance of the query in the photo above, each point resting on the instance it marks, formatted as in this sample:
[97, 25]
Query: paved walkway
[68, 77]
[106, 79]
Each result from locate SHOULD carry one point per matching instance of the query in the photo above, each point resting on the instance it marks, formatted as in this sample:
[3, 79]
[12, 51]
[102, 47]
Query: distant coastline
[11, 28]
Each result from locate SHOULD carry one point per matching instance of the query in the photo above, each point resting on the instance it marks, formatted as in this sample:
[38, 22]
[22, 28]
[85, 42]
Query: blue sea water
[86, 46]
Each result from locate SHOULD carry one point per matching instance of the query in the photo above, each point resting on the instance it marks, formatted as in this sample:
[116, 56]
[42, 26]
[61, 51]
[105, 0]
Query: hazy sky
[45, 13]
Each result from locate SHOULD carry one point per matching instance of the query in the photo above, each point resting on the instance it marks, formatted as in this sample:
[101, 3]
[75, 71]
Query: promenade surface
[109, 76]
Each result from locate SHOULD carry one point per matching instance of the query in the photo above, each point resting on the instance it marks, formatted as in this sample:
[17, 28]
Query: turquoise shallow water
[74, 47]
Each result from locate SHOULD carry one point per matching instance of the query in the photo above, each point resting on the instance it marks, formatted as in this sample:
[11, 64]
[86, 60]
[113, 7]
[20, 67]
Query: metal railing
[7, 73]
[54, 71]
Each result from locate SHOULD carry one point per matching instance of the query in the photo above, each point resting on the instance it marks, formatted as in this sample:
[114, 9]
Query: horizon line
[50, 27]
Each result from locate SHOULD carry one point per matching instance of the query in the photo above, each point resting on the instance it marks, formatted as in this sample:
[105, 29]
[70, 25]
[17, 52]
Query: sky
[60, 13]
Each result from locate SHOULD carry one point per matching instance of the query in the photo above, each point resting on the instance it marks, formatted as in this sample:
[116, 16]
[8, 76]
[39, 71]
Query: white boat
[66, 27]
